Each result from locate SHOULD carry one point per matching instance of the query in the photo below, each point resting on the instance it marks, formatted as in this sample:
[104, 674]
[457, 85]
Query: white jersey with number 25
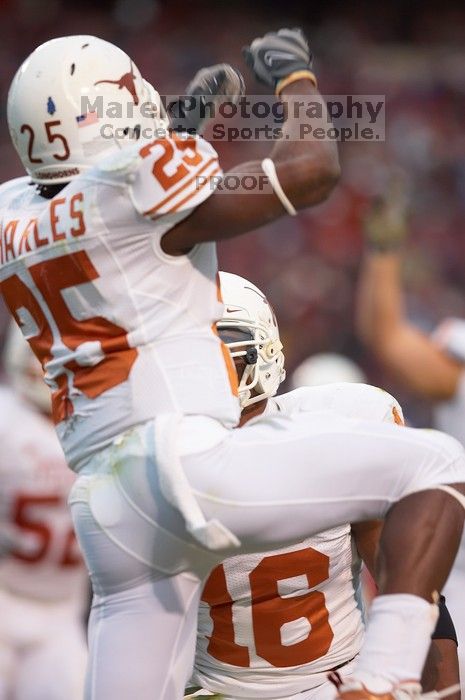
[124, 332]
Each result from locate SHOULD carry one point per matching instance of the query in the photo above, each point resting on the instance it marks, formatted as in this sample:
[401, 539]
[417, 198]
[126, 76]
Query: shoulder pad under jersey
[352, 400]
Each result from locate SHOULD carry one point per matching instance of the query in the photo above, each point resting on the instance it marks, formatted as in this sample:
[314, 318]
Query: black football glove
[278, 54]
[217, 84]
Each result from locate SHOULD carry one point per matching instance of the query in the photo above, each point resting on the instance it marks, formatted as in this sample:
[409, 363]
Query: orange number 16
[270, 611]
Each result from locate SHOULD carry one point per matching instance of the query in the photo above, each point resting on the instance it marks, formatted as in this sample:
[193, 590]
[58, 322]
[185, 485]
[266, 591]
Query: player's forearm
[410, 356]
[380, 306]
[308, 169]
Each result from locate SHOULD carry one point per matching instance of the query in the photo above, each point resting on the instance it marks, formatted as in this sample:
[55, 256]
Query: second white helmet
[246, 309]
[326, 368]
[72, 101]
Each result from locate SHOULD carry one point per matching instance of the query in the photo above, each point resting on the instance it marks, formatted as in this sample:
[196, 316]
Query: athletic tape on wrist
[293, 77]
[269, 169]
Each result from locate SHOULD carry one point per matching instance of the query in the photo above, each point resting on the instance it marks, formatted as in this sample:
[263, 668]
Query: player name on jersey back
[64, 220]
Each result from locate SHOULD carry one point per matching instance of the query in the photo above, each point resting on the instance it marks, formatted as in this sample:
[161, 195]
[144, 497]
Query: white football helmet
[326, 368]
[250, 330]
[24, 370]
[75, 99]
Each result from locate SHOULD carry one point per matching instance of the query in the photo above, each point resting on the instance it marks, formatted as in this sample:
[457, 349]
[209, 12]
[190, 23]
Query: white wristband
[269, 169]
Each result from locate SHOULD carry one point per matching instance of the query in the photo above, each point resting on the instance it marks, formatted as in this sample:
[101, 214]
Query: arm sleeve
[174, 175]
[445, 628]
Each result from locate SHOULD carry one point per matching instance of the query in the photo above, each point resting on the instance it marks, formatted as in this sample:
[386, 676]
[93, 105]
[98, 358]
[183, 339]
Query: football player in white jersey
[432, 367]
[43, 580]
[274, 625]
[108, 264]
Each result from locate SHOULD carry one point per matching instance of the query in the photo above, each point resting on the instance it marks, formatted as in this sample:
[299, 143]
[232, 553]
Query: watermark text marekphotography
[248, 118]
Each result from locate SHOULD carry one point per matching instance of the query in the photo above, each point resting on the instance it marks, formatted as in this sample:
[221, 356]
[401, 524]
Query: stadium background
[413, 53]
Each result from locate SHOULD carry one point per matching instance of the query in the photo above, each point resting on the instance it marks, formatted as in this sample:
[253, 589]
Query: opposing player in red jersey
[43, 581]
[108, 264]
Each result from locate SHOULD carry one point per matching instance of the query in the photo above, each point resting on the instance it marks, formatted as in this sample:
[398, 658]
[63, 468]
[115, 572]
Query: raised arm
[306, 169]
[411, 356]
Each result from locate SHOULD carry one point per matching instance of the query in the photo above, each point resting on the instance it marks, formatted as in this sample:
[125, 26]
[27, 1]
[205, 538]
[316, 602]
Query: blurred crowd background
[414, 53]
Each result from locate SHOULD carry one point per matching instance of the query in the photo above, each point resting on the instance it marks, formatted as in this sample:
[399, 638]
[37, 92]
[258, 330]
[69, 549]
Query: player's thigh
[284, 478]
[142, 640]
[55, 669]
[127, 531]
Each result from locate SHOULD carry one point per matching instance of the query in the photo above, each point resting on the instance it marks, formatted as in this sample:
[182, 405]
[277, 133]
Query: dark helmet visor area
[235, 335]
[249, 353]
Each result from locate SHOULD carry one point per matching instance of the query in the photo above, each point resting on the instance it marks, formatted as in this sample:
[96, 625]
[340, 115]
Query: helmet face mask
[250, 331]
[242, 346]
[74, 100]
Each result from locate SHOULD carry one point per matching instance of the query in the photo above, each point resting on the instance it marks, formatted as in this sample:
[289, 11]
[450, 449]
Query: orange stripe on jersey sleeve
[171, 196]
[196, 191]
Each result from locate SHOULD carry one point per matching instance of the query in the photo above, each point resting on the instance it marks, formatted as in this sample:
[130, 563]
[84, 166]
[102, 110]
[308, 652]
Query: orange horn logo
[126, 81]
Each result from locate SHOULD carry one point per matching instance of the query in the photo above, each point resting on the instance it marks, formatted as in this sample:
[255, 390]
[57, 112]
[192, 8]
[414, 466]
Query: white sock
[397, 641]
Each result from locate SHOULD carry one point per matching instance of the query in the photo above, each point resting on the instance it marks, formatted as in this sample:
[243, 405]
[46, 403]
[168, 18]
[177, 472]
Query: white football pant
[271, 483]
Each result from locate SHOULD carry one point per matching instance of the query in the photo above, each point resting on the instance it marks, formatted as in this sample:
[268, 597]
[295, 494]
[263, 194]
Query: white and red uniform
[43, 581]
[449, 416]
[144, 397]
[273, 625]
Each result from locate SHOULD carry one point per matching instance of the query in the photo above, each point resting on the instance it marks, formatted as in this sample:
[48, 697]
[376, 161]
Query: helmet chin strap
[245, 394]
[256, 399]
